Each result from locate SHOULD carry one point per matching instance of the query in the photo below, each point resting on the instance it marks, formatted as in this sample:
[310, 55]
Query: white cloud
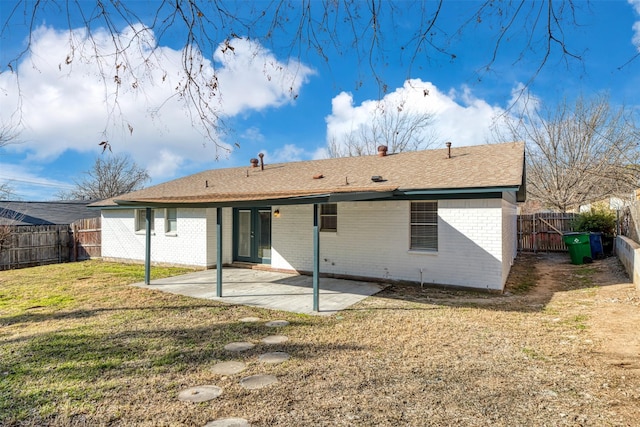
[459, 116]
[65, 104]
[252, 78]
[252, 134]
[286, 153]
[636, 26]
[26, 183]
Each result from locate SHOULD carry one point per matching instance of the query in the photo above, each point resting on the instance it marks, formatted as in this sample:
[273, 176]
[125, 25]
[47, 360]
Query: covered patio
[268, 289]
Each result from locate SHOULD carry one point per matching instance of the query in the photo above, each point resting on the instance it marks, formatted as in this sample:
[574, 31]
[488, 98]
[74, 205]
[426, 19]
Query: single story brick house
[444, 216]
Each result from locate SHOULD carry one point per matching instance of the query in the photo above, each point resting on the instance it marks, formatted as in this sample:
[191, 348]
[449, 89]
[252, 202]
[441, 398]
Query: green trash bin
[579, 247]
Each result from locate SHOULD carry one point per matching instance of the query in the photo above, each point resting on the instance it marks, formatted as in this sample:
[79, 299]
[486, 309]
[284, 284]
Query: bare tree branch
[362, 30]
[110, 176]
[390, 124]
[579, 152]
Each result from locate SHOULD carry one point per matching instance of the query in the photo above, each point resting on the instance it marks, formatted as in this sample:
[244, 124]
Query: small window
[424, 226]
[171, 221]
[141, 224]
[329, 217]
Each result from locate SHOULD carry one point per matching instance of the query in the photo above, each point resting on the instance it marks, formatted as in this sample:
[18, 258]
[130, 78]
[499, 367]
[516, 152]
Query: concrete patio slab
[268, 289]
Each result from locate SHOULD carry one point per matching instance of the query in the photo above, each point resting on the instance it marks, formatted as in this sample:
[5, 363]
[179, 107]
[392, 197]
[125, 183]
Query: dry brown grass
[110, 354]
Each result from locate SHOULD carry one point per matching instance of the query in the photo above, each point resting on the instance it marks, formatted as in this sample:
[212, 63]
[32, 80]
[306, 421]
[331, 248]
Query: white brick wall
[373, 240]
[227, 236]
[510, 233]
[187, 247]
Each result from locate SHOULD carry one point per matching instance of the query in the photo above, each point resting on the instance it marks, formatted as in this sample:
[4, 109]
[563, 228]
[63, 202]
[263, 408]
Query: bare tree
[8, 135]
[6, 191]
[392, 125]
[110, 176]
[9, 219]
[297, 28]
[579, 152]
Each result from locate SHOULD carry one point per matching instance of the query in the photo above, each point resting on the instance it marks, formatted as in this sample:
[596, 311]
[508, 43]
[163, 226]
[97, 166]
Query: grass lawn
[78, 346]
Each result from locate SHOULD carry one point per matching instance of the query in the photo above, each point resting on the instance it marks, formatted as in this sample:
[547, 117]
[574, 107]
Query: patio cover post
[219, 252]
[316, 259]
[147, 247]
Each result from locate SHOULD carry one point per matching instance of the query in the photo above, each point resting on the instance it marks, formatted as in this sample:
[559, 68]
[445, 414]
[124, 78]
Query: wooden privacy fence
[539, 232]
[30, 245]
[87, 241]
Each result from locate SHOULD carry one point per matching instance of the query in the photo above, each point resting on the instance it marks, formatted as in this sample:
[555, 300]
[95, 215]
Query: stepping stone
[275, 339]
[239, 346]
[200, 393]
[228, 368]
[250, 319]
[277, 323]
[275, 357]
[257, 381]
[228, 422]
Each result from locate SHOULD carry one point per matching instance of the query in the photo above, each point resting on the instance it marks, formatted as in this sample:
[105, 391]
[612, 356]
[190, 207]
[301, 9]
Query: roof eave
[399, 194]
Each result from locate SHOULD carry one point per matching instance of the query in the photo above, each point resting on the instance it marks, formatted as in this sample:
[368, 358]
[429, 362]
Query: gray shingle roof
[45, 213]
[482, 166]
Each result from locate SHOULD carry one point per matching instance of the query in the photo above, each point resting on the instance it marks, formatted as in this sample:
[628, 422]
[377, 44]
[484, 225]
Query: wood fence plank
[31, 245]
[542, 232]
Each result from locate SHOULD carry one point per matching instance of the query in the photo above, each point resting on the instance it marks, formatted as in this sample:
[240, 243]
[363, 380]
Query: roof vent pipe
[448, 144]
[261, 155]
[382, 150]
[254, 163]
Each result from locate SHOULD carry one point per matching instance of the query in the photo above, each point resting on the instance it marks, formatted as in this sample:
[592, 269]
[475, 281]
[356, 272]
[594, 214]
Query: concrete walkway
[266, 289]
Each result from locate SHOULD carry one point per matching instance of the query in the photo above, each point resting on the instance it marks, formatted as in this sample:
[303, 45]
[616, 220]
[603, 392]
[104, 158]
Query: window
[329, 217]
[141, 224]
[424, 226]
[171, 220]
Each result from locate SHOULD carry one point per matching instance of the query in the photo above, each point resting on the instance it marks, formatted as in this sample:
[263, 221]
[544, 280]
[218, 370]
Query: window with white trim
[424, 226]
[329, 217]
[141, 223]
[171, 220]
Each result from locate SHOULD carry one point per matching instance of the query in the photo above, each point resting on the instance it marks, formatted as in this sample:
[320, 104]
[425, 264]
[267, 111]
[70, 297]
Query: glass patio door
[252, 235]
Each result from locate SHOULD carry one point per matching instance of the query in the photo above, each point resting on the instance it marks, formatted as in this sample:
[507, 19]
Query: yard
[78, 346]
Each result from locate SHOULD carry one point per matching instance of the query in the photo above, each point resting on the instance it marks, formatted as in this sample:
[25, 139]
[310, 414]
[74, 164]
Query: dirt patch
[615, 318]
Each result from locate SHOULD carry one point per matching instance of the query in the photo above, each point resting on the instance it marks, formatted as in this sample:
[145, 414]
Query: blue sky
[63, 110]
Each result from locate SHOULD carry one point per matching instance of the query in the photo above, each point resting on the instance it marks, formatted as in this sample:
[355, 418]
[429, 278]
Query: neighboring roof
[495, 166]
[45, 213]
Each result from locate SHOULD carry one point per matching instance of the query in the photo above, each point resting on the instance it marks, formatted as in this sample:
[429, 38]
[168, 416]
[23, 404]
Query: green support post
[316, 259]
[147, 247]
[219, 252]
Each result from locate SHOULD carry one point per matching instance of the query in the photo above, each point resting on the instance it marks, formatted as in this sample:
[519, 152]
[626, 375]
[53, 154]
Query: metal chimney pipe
[261, 155]
[448, 144]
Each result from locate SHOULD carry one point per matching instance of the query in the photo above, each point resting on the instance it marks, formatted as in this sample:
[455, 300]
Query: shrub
[598, 220]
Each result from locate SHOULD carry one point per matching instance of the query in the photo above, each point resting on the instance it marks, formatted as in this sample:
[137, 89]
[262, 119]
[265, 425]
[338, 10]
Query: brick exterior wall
[509, 233]
[373, 241]
[188, 246]
[476, 241]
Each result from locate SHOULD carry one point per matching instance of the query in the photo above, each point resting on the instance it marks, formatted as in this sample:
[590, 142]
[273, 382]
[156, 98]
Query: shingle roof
[44, 213]
[482, 166]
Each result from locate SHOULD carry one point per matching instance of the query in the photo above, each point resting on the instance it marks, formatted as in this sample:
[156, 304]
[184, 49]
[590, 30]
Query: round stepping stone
[228, 368]
[274, 357]
[200, 393]
[257, 381]
[228, 422]
[275, 339]
[250, 319]
[277, 323]
[239, 346]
